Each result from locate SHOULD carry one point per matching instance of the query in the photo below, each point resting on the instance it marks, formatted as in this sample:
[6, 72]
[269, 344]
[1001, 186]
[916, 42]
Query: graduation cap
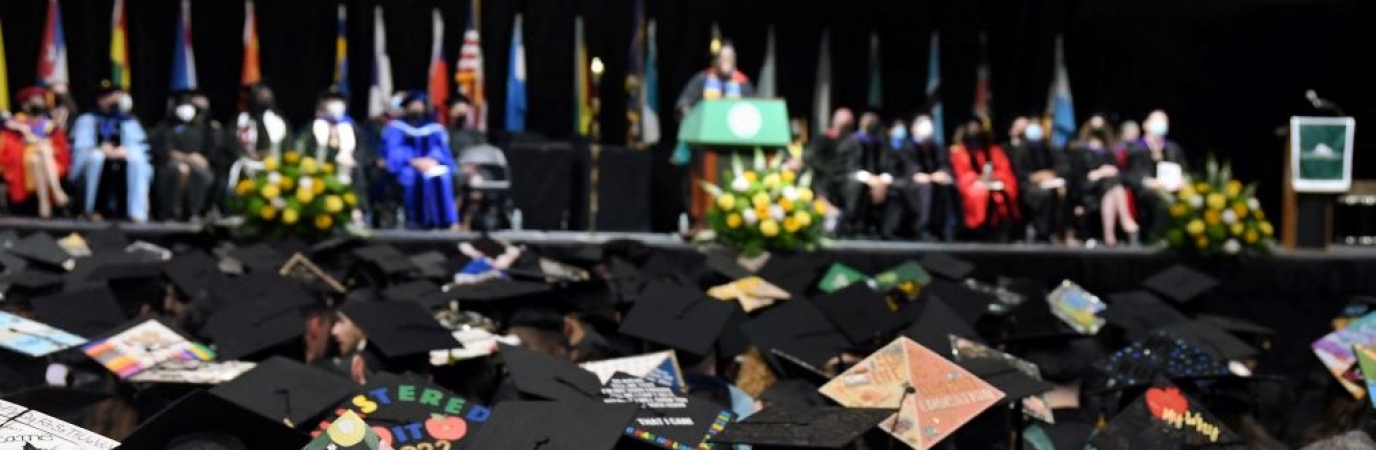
[967, 303]
[1033, 321]
[56, 400]
[540, 376]
[416, 412]
[33, 338]
[1019, 379]
[1224, 344]
[908, 278]
[1164, 417]
[659, 367]
[208, 419]
[302, 269]
[74, 245]
[496, 292]
[788, 427]
[12, 263]
[195, 372]
[1140, 312]
[384, 258]
[134, 282]
[860, 313]
[793, 392]
[660, 420]
[724, 264]
[893, 377]
[194, 275]
[935, 323]
[793, 273]
[1334, 350]
[1180, 284]
[108, 239]
[423, 292]
[141, 345]
[349, 432]
[1161, 355]
[244, 330]
[18, 421]
[287, 392]
[678, 317]
[433, 265]
[30, 283]
[86, 312]
[751, 292]
[798, 329]
[1077, 307]
[839, 276]
[947, 266]
[554, 426]
[42, 249]
[401, 329]
[260, 257]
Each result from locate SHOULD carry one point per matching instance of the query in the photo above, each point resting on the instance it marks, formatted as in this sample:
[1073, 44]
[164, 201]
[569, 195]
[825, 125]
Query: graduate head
[346, 334]
[111, 99]
[1129, 131]
[1157, 124]
[33, 100]
[259, 98]
[180, 107]
[415, 106]
[842, 122]
[1018, 127]
[201, 101]
[333, 105]
[870, 124]
[1034, 132]
[725, 62]
[923, 128]
[972, 134]
[459, 109]
[1095, 134]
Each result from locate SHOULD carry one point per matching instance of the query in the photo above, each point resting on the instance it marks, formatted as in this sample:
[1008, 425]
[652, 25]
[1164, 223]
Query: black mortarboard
[554, 426]
[423, 292]
[260, 257]
[43, 249]
[1033, 321]
[725, 264]
[787, 427]
[194, 274]
[34, 281]
[936, 323]
[496, 291]
[12, 263]
[433, 265]
[1151, 421]
[57, 401]
[108, 239]
[385, 258]
[1225, 344]
[967, 303]
[947, 266]
[1252, 332]
[799, 329]
[796, 393]
[795, 273]
[1140, 312]
[1015, 384]
[243, 330]
[400, 329]
[1162, 355]
[189, 422]
[862, 314]
[86, 312]
[135, 282]
[543, 377]
[287, 392]
[679, 317]
[1180, 284]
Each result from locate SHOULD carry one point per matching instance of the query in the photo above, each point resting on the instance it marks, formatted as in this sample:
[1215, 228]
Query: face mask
[126, 103]
[185, 113]
[1033, 133]
[34, 110]
[922, 131]
[335, 110]
[1158, 128]
[898, 133]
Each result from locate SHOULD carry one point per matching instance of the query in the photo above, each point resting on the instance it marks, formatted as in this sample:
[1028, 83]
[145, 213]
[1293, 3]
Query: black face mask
[415, 116]
[34, 110]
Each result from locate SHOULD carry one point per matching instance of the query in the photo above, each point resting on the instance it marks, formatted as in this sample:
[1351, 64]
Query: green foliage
[764, 207]
[1215, 215]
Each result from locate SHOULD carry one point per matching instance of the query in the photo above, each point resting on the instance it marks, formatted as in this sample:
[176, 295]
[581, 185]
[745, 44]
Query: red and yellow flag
[252, 72]
[119, 48]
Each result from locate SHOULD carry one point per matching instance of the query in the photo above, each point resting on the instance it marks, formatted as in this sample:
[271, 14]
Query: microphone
[1322, 104]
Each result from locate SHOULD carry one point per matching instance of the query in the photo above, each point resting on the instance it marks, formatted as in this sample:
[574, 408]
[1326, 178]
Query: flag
[4, 76]
[438, 86]
[52, 60]
[635, 73]
[768, 84]
[341, 52]
[876, 90]
[183, 54]
[516, 82]
[380, 87]
[119, 49]
[252, 71]
[582, 83]
[469, 73]
[821, 94]
[983, 94]
[934, 91]
[649, 115]
[1060, 107]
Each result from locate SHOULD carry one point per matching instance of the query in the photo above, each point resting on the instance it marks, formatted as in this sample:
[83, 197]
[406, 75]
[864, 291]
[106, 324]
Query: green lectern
[726, 125]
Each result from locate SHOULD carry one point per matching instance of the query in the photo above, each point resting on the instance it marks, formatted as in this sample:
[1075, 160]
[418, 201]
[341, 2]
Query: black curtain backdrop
[1229, 71]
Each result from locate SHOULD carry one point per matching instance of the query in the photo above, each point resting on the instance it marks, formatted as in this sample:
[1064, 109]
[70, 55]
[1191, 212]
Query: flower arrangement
[764, 207]
[296, 196]
[1217, 215]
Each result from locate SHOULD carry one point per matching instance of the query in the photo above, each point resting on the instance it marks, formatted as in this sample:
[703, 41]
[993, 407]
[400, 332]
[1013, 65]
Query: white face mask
[126, 103]
[922, 130]
[1158, 128]
[1033, 132]
[335, 110]
[185, 112]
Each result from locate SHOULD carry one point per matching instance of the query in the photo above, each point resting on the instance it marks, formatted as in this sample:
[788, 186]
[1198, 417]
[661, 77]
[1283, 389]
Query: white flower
[278, 203]
[776, 212]
[1197, 201]
[1232, 246]
[1229, 216]
[1253, 204]
[740, 184]
[274, 178]
[305, 182]
[749, 216]
[791, 193]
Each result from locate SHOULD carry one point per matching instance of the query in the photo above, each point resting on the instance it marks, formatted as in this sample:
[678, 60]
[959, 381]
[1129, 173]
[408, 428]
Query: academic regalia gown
[13, 151]
[339, 142]
[977, 201]
[930, 204]
[862, 152]
[1042, 207]
[88, 163]
[428, 197]
[1141, 165]
[202, 138]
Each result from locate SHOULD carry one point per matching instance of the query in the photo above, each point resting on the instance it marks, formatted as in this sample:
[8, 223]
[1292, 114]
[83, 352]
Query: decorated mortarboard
[43, 249]
[213, 422]
[1163, 417]
[406, 412]
[287, 392]
[659, 367]
[24, 428]
[85, 312]
[935, 324]
[148, 251]
[489, 259]
[908, 279]
[302, 269]
[932, 396]
[1366, 361]
[804, 427]
[1335, 351]
[33, 338]
[74, 245]
[543, 377]
[839, 276]
[751, 292]
[666, 419]
[1077, 307]
[400, 329]
[143, 346]
[678, 317]
[860, 313]
[1226, 345]
[947, 266]
[348, 432]
[557, 272]
[1138, 313]
[554, 425]
[194, 372]
[1016, 377]
[798, 329]
[477, 342]
[1158, 356]
[1180, 284]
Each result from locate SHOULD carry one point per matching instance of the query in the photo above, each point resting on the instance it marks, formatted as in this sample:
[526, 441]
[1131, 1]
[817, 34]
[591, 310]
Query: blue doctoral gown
[429, 197]
[87, 161]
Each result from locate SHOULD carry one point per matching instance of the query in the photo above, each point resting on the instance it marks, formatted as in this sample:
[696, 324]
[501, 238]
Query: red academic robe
[976, 198]
[13, 147]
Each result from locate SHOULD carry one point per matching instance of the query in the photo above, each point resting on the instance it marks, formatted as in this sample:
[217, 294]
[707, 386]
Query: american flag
[469, 74]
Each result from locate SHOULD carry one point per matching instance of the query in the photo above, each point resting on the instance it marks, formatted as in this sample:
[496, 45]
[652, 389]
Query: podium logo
[744, 120]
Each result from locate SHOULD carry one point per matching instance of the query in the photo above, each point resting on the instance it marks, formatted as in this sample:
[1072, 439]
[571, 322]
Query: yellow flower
[1201, 242]
[308, 165]
[762, 211]
[270, 192]
[333, 204]
[1259, 215]
[1237, 229]
[805, 194]
[1265, 228]
[290, 216]
[803, 218]
[733, 221]
[761, 200]
[1195, 227]
[1185, 193]
[791, 225]
[304, 195]
[771, 180]
[328, 168]
[789, 176]
[1234, 188]
[287, 183]
[350, 198]
[291, 157]
[726, 202]
[244, 188]
[1201, 187]
[324, 221]
[318, 186]
[820, 206]
[1179, 209]
[769, 228]
[270, 163]
[267, 212]
[1212, 217]
[1251, 237]
[1240, 209]
[750, 176]
[1216, 201]
[786, 204]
